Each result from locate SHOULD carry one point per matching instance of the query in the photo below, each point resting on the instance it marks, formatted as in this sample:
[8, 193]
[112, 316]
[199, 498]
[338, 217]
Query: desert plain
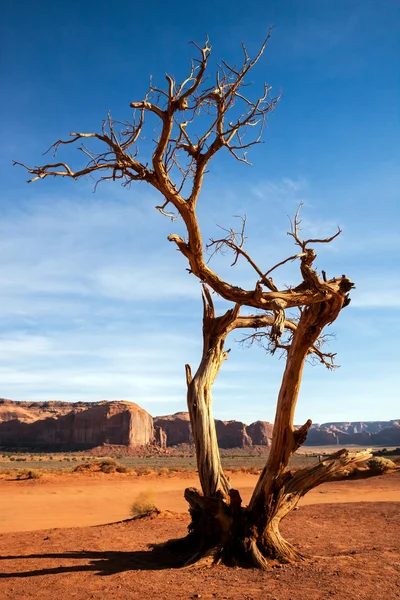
[69, 534]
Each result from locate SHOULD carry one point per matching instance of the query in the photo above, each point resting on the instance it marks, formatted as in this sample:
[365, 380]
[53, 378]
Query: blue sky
[96, 304]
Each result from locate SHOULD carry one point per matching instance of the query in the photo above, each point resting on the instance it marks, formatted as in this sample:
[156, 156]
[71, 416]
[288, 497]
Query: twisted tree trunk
[221, 529]
[199, 398]
[270, 501]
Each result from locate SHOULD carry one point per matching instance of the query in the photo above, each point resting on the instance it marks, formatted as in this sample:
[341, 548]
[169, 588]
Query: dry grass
[164, 472]
[108, 465]
[246, 470]
[379, 464]
[27, 474]
[143, 505]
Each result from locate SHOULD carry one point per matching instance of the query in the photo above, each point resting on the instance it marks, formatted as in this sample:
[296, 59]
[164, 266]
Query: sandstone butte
[80, 425]
[83, 425]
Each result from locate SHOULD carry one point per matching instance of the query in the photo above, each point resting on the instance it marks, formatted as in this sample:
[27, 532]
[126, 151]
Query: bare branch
[271, 343]
[170, 215]
[295, 232]
[180, 158]
[282, 262]
[235, 241]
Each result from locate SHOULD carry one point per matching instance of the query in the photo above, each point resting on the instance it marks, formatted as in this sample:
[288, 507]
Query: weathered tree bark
[199, 398]
[221, 528]
[269, 499]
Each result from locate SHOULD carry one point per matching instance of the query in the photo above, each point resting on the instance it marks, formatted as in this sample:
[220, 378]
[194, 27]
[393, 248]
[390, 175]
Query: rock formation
[28, 412]
[83, 425]
[390, 436]
[232, 434]
[176, 427]
[160, 437]
[360, 426]
[260, 433]
[370, 433]
[321, 437]
[74, 426]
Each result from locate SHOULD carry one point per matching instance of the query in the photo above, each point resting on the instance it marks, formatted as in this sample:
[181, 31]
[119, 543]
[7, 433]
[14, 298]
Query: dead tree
[196, 120]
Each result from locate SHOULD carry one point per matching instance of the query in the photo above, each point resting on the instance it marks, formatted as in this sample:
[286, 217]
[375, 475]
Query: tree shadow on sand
[169, 555]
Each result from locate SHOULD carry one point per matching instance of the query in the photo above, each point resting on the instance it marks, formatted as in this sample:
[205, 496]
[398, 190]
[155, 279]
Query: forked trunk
[221, 529]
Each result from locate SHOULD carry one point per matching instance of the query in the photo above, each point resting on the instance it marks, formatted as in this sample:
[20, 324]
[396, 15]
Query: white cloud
[95, 304]
[377, 292]
[22, 345]
[61, 256]
[356, 242]
[151, 281]
[283, 189]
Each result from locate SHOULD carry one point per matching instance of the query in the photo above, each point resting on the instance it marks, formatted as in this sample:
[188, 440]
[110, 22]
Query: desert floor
[52, 545]
[79, 500]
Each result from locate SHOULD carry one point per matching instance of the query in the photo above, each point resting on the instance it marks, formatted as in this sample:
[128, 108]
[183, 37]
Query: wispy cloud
[377, 293]
[68, 254]
[285, 189]
[95, 304]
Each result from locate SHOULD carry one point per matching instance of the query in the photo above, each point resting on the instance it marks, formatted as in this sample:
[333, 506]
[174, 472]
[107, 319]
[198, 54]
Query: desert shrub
[83, 467]
[109, 465]
[178, 470]
[32, 474]
[163, 472]
[380, 464]
[146, 471]
[21, 459]
[234, 470]
[121, 469]
[254, 470]
[105, 466]
[143, 505]
[28, 474]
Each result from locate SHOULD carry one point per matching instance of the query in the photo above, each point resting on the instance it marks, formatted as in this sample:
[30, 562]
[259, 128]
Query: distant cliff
[368, 433]
[232, 434]
[84, 425]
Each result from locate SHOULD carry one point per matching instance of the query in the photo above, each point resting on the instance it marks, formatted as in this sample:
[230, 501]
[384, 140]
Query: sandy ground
[351, 532]
[77, 500]
[356, 549]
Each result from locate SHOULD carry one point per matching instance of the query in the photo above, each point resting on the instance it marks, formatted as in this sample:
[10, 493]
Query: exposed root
[256, 555]
[285, 553]
[258, 559]
[205, 559]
